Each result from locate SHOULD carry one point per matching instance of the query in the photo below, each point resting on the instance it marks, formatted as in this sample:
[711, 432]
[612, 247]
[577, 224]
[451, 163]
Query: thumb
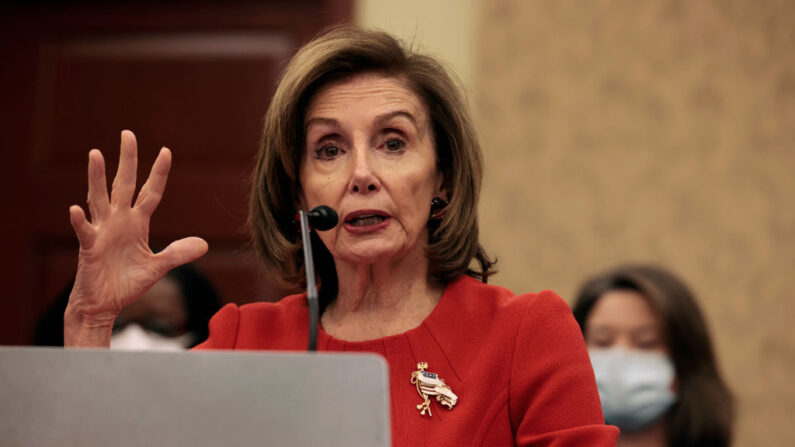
[181, 252]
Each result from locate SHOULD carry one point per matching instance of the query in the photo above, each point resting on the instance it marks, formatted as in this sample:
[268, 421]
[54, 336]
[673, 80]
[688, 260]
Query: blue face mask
[635, 387]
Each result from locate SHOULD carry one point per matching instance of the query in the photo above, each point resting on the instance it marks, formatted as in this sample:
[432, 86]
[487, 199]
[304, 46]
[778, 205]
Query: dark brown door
[193, 76]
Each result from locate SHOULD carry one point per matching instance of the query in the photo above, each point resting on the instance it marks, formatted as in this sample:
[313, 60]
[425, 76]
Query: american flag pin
[430, 384]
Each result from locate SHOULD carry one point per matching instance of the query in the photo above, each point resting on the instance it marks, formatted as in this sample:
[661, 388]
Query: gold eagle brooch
[430, 384]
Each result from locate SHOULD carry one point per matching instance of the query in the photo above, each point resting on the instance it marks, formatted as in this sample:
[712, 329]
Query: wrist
[86, 329]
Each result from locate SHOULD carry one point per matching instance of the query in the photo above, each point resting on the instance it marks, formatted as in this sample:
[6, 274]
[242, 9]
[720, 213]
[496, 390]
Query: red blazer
[518, 365]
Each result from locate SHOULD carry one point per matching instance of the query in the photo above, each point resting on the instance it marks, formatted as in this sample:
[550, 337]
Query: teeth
[366, 220]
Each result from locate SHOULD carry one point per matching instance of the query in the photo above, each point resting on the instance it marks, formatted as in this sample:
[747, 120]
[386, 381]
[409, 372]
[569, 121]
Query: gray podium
[56, 397]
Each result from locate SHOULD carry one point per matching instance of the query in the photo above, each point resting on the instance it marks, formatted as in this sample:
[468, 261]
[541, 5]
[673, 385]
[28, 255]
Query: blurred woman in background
[653, 359]
[171, 316]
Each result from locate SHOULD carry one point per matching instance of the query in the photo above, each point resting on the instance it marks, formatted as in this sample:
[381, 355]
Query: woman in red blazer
[382, 135]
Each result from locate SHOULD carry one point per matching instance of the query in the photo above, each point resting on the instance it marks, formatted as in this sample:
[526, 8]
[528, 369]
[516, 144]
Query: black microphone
[322, 218]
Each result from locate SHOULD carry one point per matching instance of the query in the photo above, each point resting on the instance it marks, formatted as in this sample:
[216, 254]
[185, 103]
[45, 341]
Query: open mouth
[363, 221]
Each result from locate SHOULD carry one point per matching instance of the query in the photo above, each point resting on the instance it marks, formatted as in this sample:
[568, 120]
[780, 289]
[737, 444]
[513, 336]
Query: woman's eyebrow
[378, 119]
[598, 330]
[650, 328]
[399, 113]
[320, 120]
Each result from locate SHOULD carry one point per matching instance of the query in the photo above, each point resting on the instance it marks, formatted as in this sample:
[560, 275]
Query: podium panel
[57, 397]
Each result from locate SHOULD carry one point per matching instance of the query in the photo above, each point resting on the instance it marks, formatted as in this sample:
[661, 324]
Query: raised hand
[115, 265]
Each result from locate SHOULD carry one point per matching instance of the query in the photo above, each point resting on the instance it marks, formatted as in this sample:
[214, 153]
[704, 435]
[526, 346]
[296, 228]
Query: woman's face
[370, 155]
[157, 321]
[624, 318]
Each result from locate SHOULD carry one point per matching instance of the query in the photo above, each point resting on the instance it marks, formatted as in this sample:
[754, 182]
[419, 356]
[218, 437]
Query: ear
[441, 189]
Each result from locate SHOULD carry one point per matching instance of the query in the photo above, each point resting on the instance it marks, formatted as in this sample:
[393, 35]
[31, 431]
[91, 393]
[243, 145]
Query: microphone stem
[311, 286]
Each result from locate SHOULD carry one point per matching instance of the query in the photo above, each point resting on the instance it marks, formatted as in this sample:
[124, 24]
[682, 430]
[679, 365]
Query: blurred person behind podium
[382, 135]
[172, 315]
[655, 367]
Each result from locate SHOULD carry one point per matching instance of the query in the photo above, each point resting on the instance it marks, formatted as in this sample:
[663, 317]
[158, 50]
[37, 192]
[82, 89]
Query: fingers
[98, 203]
[152, 191]
[181, 252]
[124, 183]
[84, 231]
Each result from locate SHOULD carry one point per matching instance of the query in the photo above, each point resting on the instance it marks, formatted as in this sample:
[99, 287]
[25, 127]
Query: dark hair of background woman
[704, 414]
[201, 303]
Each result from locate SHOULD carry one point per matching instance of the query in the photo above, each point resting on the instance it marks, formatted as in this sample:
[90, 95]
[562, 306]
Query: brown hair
[704, 413]
[337, 54]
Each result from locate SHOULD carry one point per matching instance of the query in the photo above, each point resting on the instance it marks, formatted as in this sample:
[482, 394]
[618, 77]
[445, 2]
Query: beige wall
[442, 28]
[658, 131]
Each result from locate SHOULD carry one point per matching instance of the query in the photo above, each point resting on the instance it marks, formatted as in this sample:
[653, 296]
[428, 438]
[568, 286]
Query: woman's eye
[394, 144]
[119, 324]
[327, 152]
[600, 341]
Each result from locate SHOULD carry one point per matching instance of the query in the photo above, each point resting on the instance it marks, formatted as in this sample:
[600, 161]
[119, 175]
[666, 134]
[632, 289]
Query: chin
[370, 252]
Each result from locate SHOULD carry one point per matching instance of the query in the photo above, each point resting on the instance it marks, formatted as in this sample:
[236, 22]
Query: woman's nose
[364, 178]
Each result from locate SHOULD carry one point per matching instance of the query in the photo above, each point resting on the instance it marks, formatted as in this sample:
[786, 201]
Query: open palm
[116, 265]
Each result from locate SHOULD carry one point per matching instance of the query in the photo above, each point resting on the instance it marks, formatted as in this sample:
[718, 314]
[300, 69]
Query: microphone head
[322, 218]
